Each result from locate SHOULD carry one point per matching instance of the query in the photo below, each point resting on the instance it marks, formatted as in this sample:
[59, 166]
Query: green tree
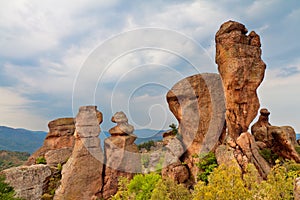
[6, 191]
[206, 165]
[139, 188]
[174, 128]
[169, 190]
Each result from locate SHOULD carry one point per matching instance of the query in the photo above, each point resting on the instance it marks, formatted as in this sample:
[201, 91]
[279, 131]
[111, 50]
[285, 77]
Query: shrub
[147, 145]
[297, 148]
[41, 160]
[174, 128]
[6, 191]
[269, 155]
[206, 165]
[169, 190]
[227, 183]
[139, 188]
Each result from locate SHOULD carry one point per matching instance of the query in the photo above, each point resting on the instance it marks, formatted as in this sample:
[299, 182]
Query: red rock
[198, 104]
[60, 136]
[242, 70]
[82, 174]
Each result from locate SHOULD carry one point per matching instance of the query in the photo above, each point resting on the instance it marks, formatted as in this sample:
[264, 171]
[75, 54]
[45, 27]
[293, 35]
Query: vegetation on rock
[41, 160]
[227, 183]
[12, 159]
[147, 145]
[6, 191]
[174, 129]
[206, 165]
[269, 156]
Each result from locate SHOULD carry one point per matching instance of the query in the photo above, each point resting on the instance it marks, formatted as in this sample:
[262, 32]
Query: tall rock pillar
[82, 174]
[242, 70]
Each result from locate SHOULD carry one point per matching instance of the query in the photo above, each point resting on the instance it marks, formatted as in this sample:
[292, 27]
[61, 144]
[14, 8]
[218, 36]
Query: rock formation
[281, 140]
[172, 166]
[58, 144]
[122, 157]
[249, 148]
[28, 181]
[242, 70]
[82, 174]
[198, 104]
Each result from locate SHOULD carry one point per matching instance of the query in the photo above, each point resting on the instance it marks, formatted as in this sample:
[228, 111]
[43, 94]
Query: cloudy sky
[125, 55]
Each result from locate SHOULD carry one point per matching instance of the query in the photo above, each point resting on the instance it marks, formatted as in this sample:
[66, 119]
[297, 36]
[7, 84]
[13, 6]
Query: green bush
[269, 155]
[206, 165]
[41, 160]
[226, 183]
[150, 186]
[297, 148]
[139, 188]
[6, 191]
[147, 145]
[174, 128]
[169, 190]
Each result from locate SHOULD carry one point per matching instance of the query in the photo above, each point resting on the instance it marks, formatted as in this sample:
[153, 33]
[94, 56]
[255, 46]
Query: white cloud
[54, 38]
[281, 95]
[15, 111]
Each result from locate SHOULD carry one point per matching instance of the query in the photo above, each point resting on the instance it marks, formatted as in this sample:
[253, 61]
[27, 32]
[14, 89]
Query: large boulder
[198, 104]
[60, 136]
[122, 155]
[242, 70]
[28, 181]
[82, 174]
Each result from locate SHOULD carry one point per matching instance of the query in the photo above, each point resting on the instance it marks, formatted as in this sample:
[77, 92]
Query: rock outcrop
[249, 148]
[198, 104]
[172, 166]
[59, 141]
[242, 70]
[28, 181]
[281, 140]
[82, 174]
[122, 155]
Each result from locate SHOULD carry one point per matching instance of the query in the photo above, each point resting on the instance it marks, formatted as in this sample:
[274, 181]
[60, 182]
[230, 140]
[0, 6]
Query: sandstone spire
[242, 70]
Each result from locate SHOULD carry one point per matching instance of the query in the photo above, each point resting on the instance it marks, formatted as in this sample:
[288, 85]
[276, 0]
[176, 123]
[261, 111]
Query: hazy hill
[20, 139]
[29, 141]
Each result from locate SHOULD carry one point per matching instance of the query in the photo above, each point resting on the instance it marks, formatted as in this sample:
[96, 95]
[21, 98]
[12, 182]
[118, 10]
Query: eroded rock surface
[242, 70]
[281, 140]
[60, 138]
[28, 181]
[82, 174]
[198, 104]
[249, 148]
[122, 155]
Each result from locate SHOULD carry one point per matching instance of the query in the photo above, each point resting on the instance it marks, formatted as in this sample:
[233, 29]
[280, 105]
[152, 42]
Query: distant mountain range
[23, 140]
[20, 139]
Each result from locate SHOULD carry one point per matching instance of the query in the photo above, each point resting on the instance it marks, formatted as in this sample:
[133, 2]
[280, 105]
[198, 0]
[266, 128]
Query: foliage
[206, 165]
[297, 148]
[10, 159]
[227, 183]
[150, 186]
[41, 160]
[169, 190]
[53, 183]
[223, 183]
[147, 145]
[269, 155]
[6, 191]
[139, 188]
[174, 128]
